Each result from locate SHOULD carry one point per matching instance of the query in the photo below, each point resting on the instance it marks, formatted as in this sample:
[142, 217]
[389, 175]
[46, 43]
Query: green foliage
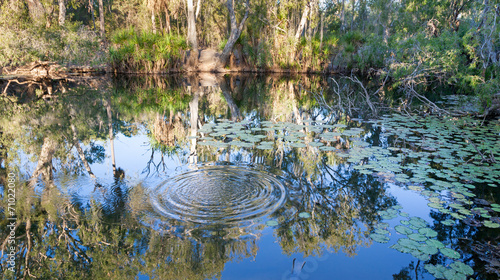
[72, 44]
[145, 51]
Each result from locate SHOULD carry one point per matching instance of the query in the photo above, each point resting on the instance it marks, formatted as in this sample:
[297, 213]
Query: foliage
[145, 51]
[70, 44]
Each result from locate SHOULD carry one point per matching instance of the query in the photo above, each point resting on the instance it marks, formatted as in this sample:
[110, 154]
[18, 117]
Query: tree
[235, 33]
[62, 12]
[101, 19]
[191, 30]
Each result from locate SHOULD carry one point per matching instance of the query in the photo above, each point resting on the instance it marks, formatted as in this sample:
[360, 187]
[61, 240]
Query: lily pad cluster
[456, 270]
[443, 159]
[266, 134]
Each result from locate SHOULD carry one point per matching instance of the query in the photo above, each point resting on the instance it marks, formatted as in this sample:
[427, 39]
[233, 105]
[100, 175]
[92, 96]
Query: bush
[72, 44]
[146, 51]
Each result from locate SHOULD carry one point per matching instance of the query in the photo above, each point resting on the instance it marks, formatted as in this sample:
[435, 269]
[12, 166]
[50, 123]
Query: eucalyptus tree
[236, 30]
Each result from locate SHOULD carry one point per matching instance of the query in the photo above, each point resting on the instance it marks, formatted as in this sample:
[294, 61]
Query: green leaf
[450, 253]
[428, 232]
[379, 238]
[403, 230]
[462, 268]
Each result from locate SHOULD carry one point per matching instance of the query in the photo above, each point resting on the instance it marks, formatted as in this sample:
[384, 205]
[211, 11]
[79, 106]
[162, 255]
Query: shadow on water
[226, 165]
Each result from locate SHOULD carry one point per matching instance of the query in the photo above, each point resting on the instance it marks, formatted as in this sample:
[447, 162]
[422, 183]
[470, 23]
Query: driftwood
[52, 70]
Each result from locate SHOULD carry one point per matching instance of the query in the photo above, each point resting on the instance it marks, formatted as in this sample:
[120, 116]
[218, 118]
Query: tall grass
[146, 52]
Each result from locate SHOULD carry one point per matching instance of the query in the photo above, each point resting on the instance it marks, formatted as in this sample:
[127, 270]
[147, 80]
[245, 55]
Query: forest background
[417, 45]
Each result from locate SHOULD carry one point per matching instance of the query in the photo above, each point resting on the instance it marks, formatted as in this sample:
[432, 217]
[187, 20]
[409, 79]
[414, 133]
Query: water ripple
[218, 194]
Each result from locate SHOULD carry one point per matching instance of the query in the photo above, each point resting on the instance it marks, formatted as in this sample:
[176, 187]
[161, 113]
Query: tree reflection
[115, 234]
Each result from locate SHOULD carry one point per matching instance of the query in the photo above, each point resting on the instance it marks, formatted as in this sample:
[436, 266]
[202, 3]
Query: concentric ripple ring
[218, 194]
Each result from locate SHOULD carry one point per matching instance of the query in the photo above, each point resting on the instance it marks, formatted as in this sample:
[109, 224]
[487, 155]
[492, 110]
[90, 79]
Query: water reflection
[192, 229]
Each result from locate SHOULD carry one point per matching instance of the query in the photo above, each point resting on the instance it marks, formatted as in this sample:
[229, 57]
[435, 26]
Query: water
[249, 178]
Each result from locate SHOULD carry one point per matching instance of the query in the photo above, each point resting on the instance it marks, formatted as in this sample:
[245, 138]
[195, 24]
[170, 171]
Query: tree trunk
[62, 12]
[36, 10]
[153, 21]
[44, 165]
[235, 111]
[191, 22]
[167, 21]
[111, 136]
[91, 5]
[342, 16]
[303, 21]
[101, 19]
[193, 110]
[322, 19]
[235, 33]
[198, 8]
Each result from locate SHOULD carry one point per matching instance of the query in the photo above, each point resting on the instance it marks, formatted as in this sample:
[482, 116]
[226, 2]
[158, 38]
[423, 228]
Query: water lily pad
[436, 270]
[429, 250]
[434, 243]
[381, 231]
[448, 222]
[491, 224]
[428, 232]
[417, 237]
[271, 223]
[451, 274]
[379, 238]
[403, 230]
[418, 222]
[450, 253]
[408, 243]
[462, 268]
[304, 215]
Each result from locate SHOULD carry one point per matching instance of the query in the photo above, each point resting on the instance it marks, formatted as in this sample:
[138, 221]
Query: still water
[242, 177]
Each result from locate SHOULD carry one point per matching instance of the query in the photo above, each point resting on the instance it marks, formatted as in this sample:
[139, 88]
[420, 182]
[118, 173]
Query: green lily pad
[417, 237]
[403, 230]
[434, 243]
[491, 224]
[450, 253]
[451, 274]
[436, 270]
[462, 268]
[379, 238]
[448, 222]
[429, 250]
[304, 215]
[271, 223]
[428, 232]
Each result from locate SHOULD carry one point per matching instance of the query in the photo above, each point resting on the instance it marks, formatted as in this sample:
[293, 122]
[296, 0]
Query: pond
[242, 177]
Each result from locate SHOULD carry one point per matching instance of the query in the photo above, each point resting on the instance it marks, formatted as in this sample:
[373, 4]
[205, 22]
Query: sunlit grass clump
[148, 52]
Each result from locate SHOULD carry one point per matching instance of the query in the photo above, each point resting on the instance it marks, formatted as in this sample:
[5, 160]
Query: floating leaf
[436, 270]
[462, 268]
[434, 243]
[428, 232]
[379, 238]
[304, 215]
[417, 237]
[451, 274]
[418, 222]
[450, 253]
[271, 223]
[403, 230]
[491, 224]
[448, 222]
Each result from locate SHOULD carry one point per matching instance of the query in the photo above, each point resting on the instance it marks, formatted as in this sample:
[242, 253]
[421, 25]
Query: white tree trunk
[191, 32]
[303, 21]
[62, 12]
